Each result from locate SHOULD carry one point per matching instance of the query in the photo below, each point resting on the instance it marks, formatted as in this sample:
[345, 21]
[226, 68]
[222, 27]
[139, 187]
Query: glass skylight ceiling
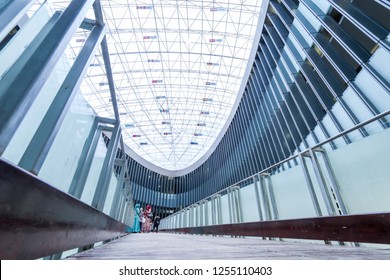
[178, 67]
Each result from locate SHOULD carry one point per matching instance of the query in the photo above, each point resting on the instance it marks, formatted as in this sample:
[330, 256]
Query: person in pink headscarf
[148, 218]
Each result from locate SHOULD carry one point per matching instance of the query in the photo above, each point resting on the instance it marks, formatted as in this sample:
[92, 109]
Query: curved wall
[318, 70]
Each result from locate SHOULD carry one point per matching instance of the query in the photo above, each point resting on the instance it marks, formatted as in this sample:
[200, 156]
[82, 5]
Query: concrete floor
[166, 246]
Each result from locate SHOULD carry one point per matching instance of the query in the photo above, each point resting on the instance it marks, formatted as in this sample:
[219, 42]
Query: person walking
[142, 220]
[136, 224]
[156, 223]
[148, 218]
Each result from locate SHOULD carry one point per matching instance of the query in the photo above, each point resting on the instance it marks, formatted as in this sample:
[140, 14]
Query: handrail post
[309, 183]
[321, 181]
[335, 186]
[256, 186]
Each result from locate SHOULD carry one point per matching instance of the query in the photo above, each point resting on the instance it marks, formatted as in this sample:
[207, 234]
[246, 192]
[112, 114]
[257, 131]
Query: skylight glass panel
[177, 68]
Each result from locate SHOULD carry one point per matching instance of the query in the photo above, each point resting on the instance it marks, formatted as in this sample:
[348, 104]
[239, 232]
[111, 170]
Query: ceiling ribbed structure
[178, 67]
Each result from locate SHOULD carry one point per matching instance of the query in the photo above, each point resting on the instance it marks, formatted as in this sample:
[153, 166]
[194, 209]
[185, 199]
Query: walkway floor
[166, 246]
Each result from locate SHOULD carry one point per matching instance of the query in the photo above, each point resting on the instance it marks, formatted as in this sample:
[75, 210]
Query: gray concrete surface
[166, 246]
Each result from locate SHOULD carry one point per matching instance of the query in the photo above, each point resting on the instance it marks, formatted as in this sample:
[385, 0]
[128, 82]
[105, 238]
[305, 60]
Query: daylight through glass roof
[177, 68]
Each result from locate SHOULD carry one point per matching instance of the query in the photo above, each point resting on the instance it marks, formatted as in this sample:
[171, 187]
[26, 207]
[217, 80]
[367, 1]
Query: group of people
[144, 221]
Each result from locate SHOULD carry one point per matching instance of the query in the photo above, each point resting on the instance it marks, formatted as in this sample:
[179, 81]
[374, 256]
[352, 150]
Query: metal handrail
[38, 220]
[330, 139]
[366, 228]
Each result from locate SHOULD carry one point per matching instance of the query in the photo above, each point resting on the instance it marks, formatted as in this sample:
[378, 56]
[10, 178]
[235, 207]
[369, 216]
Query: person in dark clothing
[156, 223]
